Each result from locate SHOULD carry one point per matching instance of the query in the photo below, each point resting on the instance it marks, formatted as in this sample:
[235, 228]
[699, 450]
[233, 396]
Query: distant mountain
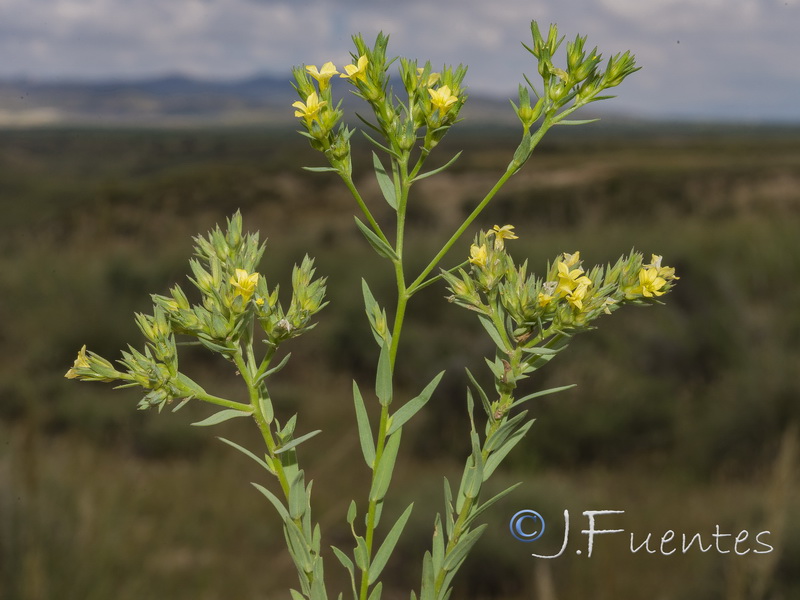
[170, 101]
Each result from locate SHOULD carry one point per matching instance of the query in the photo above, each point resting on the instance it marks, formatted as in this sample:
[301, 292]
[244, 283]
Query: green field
[685, 415]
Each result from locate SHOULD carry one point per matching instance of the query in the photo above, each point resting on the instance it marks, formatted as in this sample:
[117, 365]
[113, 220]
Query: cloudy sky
[733, 59]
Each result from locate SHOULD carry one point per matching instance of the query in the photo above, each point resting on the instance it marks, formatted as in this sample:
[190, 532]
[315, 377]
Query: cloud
[692, 52]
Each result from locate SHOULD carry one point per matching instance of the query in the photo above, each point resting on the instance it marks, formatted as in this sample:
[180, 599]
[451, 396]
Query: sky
[700, 59]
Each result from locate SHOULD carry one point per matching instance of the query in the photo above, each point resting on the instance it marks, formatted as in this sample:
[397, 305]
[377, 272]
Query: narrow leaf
[427, 591]
[376, 593]
[484, 398]
[364, 431]
[576, 122]
[439, 170]
[298, 547]
[385, 467]
[274, 369]
[361, 554]
[385, 182]
[376, 143]
[543, 393]
[483, 507]
[493, 333]
[381, 247]
[221, 416]
[497, 457]
[372, 309]
[448, 508]
[297, 595]
[321, 169]
[387, 547]
[246, 452]
[297, 497]
[347, 564]
[383, 377]
[274, 500]
[540, 351]
[463, 547]
[410, 408]
[504, 431]
[297, 441]
[437, 556]
[352, 511]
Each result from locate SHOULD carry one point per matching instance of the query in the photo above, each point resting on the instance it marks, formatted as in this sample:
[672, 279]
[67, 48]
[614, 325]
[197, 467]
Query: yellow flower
[506, 232]
[650, 282]
[569, 280]
[310, 109]
[433, 78]
[442, 98]
[244, 283]
[576, 296]
[543, 299]
[82, 362]
[572, 259]
[324, 76]
[478, 255]
[356, 71]
[667, 273]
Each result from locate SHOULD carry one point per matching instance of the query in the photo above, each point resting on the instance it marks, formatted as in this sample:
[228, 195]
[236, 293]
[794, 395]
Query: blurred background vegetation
[685, 415]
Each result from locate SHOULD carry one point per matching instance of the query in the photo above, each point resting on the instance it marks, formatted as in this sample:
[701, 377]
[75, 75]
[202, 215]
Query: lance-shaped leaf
[385, 182]
[297, 441]
[438, 170]
[376, 593]
[503, 432]
[437, 556]
[476, 512]
[412, 407]
[274, 369]
[498, 455]
[298, 547]
[320, 169]
[448, 508]
[274, 500]
[246, 452]
[484, 398]
[221, 416]
[383, 377]
[576, 121]
[490, 328]
[387, 547]
[364, 431]
[361, 553]
[374, 312]
[298, 503]
[381, 247]
[457, 555]
[385, 468]
[543, 393]
[347, 564]
[427, 591]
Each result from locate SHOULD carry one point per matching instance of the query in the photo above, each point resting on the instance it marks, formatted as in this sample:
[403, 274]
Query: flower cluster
[525, 313]
[581, 82]
[233, 295]
[434, 101]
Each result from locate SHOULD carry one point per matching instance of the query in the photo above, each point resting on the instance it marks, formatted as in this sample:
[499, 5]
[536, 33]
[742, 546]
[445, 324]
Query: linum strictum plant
[530, 318]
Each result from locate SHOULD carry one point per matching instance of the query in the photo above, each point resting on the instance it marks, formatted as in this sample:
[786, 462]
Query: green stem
[460, 231]
[373, 504]
[469, 503]
[261, 420]
[348, 181]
